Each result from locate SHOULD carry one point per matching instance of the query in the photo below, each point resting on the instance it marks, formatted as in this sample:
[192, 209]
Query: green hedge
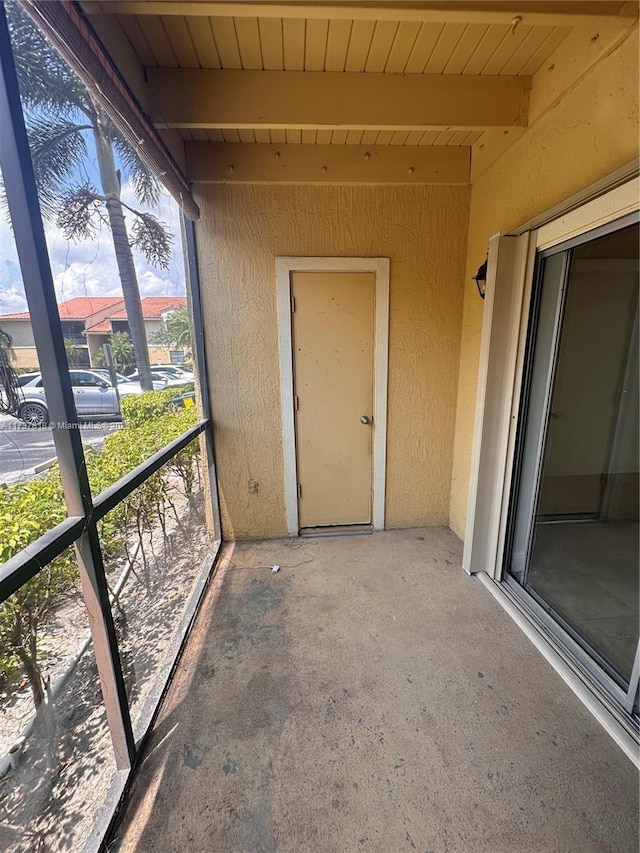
[28, 510]
[138, 409]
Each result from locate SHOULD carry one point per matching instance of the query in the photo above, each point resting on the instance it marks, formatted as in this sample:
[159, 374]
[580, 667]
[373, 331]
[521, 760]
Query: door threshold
[338, 530]
[568, 519]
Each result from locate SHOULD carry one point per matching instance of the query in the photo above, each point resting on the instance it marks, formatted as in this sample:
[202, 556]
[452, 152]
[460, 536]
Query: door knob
[365, 419]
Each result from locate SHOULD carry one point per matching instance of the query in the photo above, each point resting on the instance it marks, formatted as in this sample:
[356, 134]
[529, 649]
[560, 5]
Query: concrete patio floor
[370, 696]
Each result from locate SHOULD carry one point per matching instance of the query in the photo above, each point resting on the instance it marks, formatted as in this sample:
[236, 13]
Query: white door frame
[504, 335]
[380, 267]
[491, 473]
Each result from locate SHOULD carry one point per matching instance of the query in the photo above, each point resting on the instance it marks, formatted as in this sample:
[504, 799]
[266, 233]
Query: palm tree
[122, 350]
[72, 351]
[6, 348]
[176, 330]
[63, 120]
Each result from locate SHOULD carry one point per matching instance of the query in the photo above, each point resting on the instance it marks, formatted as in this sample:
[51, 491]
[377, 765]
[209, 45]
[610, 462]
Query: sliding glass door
[573, 545]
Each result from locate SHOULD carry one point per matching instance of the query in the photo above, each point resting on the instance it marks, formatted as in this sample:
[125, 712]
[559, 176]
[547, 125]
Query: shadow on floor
[370, 696]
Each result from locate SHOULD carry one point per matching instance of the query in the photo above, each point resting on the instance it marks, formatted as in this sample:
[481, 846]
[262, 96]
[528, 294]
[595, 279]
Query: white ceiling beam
[530, 12]
[220, 162]
[309, 100]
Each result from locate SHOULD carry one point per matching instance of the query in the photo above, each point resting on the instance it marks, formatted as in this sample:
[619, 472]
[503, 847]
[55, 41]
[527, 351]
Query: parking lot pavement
[22, 449]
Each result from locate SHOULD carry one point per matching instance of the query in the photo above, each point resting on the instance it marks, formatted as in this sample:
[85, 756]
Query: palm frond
[151, 237]
[57, 149]
[46, 81]
[75, 217]
[145, 184]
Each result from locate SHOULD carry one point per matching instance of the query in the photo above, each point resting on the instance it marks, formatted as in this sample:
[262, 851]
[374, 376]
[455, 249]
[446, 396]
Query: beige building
[89, 323]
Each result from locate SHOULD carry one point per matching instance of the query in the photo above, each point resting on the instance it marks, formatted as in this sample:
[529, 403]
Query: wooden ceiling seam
[531, 13]
[403, 43]
[203, 41]
[226, 42]
[129, 25]
[338, 40]
[468, 41]
[249, 43]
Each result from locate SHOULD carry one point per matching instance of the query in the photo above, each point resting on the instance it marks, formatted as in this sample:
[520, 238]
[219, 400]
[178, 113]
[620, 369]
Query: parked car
[26, 377]
[93, 395]
[123, 381]
[105, 373]
[176, 371]
[159, 378]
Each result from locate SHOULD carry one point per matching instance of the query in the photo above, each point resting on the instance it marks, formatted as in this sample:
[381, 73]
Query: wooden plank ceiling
[179, 44]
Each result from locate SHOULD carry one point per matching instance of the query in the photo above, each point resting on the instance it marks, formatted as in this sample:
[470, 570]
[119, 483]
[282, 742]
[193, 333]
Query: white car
[92, 393]
[159, 378]
[175, 371]
[123, 381]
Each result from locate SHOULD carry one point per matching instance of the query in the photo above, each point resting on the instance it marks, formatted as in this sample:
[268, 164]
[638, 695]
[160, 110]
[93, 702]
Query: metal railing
[84, 511]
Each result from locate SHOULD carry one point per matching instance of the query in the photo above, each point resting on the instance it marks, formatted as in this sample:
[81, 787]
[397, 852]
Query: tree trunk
[131, 292]
[27, 657]
[34, 677]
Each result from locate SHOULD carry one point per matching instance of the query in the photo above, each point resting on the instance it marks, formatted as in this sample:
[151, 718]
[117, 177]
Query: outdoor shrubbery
[138, 409]
[28, 510]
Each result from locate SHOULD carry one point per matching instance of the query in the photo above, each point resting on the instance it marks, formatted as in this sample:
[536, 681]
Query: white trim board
[380, 267]
[600, 211]
[501, 364]
[509, 275]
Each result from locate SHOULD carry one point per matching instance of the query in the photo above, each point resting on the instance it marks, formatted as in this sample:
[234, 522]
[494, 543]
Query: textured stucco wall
[26, 357]
[20, 331]
[159, 355]
[423, 230]
[592, 131]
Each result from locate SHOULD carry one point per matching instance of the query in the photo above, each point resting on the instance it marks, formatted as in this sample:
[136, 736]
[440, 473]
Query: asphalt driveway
[23, 449]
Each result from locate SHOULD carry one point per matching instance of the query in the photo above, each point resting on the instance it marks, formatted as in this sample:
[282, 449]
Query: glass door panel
[575, 534]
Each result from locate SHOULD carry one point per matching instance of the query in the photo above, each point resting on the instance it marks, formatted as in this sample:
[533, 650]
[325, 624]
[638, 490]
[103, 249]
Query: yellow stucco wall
[592, 131]
[159, 355]
[423, 230]
[28, 356]
[25, 357]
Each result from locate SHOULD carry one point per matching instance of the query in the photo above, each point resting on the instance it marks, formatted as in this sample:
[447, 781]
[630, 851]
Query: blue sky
[89, 268]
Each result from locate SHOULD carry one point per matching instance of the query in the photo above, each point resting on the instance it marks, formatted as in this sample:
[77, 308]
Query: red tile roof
[82, 308]
[20, 315]
[74, 309]
[104, 327]
[153, 307]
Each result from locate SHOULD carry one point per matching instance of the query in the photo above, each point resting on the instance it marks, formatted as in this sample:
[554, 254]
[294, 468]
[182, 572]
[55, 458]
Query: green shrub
[138, 409]
[28, 510]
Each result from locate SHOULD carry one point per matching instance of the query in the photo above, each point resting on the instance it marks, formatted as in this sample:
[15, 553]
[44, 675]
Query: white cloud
[89, 268]
[12, 299]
